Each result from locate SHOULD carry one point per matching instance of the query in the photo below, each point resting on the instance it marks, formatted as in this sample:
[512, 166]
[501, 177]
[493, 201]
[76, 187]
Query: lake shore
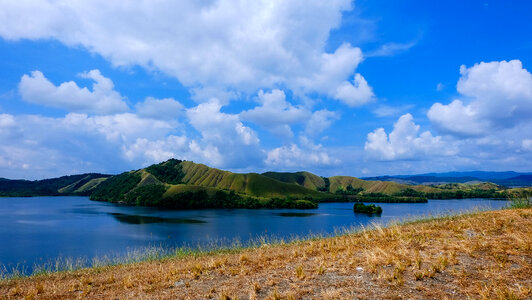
[478, 255]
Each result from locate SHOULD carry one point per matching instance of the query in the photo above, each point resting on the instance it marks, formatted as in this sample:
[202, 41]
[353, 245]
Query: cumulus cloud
[103, 99]
[79, 143]
[497, 95]
[275, 114]
[331, 79]
[320, 121]
[226, 134]
[404, 142]
[213, 47]
[72, 144]
[303, 156]
[157, 150]
[166, 109]
[217, 126]
[457, 118]
[356, 93]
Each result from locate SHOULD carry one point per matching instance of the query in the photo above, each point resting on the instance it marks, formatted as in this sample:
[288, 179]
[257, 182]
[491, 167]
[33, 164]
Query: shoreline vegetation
[479, 255]
[176, 184]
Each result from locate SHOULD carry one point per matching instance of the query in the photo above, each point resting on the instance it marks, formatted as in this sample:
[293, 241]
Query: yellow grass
[485, 255]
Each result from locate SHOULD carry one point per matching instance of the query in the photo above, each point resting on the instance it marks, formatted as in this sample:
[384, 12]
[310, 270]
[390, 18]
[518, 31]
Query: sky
[338, 87]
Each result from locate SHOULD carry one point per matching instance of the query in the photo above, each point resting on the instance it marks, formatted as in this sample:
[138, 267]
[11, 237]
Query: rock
[179, 283]
[360, 269]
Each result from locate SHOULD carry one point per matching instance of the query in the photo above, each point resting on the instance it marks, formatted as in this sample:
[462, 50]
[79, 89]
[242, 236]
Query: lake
[41, 229]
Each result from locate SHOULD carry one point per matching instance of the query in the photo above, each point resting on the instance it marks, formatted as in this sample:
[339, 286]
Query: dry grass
[484, 255]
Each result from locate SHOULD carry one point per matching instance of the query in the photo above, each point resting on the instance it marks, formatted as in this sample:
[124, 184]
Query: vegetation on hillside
[115, 189]
[82, 184]
[521, 199]
[169, 171]
[367, 209]
[152, 195]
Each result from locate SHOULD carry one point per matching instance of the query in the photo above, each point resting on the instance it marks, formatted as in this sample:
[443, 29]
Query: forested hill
[82, 184]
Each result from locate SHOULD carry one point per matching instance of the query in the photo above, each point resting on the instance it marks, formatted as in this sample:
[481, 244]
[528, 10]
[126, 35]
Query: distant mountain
[517, 181]
[82, 184]
[509, 179]
[482, 175]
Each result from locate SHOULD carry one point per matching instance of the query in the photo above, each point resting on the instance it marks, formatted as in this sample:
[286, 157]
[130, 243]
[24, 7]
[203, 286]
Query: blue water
[41, 229]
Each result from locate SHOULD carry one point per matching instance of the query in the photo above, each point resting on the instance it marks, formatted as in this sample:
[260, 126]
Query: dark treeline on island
[180, 184]
[79, 185]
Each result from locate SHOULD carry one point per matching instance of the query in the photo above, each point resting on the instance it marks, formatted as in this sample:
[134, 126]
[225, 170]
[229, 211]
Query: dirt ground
[481, 256]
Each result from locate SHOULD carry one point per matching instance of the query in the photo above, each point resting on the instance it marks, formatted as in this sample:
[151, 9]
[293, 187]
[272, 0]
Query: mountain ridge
[185, 184]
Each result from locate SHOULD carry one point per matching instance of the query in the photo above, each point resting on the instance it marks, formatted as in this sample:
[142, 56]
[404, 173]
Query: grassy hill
[354, 188]
[184, 184]
[336, 183]
[82, 184]
[252, 184]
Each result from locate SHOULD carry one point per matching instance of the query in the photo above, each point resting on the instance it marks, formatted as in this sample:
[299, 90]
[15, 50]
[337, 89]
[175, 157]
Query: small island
[367, 209]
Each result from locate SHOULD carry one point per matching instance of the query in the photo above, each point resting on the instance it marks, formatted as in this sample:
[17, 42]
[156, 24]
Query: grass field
[484, 255]
[250, 184]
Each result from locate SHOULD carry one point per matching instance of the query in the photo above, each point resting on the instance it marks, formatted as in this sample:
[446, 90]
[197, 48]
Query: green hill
[336, 183]
[356, 189]
[184, 184]
[305, 179]
[82, 184]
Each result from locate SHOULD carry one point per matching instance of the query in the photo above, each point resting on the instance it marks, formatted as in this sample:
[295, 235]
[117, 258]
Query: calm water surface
[40, 229]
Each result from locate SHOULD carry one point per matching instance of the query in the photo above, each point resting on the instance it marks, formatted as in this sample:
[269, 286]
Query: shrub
[115, 188]
[368, 209]
[169, 171]
[520, 199]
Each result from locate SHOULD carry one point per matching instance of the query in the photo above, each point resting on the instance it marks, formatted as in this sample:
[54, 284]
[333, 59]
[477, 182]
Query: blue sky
[334, 87]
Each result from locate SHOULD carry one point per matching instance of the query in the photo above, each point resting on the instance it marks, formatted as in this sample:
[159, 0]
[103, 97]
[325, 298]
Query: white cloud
[390, 49]
[404, 142]
[457, 118]
[216, 48]
[527, 144]
[389, 111]
[75, 143]
[331, 79]
[275, 114]
[166, 109]
[496, 80]
[79, 143]
[103, 99]
[354, 94]
[292, 156]
[158, 150]
[6, 121]
[224, 133]
[499, 96]
[320, 121]
[216, 126]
